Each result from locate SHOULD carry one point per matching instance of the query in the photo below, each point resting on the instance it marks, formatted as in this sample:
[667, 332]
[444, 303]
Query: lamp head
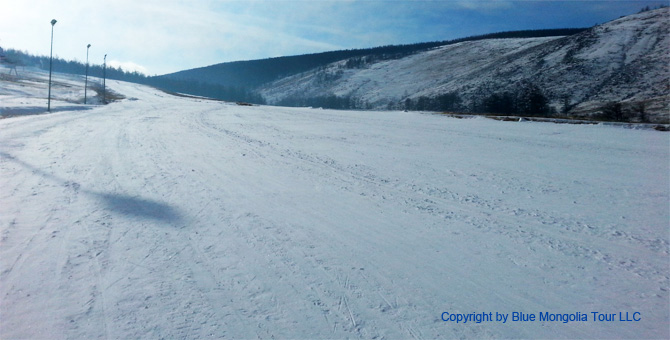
[89, 45]
[53, 22]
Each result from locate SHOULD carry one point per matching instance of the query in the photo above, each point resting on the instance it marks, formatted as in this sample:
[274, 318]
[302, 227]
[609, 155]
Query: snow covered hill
[625, 61]
[168, 217]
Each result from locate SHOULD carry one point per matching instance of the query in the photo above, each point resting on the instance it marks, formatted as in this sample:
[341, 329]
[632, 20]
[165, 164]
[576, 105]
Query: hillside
[255, 73]
[624, 61]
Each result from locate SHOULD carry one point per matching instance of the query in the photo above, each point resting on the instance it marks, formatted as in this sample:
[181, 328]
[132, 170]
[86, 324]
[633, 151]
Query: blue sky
[163, 36]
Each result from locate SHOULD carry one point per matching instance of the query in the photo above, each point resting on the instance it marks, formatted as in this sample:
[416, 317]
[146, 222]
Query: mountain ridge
[619, 66]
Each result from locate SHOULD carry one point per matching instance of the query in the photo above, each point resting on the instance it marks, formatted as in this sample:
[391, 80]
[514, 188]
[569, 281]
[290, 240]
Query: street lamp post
[104, 76]
[53, 22]
[86, 82]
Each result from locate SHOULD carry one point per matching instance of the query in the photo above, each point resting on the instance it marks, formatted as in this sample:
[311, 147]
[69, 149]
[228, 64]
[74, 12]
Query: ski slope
[168, 217]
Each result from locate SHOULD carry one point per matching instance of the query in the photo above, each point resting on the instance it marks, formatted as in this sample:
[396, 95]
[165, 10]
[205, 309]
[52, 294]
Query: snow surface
[172, 217]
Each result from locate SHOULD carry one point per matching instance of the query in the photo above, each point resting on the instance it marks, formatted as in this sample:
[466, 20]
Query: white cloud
[128, 66]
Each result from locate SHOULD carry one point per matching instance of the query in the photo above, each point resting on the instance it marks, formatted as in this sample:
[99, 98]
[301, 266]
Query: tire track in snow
[328, 166]
[487, 216]
[281, 253]
[471, 208]
[245, 142]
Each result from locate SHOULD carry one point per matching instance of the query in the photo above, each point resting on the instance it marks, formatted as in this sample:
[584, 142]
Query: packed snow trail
[169, 217]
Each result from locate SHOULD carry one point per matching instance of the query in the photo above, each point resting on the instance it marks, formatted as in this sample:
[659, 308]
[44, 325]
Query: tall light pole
[104, 76]
[53, 22]
[86, 82]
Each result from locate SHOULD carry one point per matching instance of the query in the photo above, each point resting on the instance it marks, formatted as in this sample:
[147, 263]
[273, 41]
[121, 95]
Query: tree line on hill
[192, 87]
[19, 58]
[327, 102]
[527, 99]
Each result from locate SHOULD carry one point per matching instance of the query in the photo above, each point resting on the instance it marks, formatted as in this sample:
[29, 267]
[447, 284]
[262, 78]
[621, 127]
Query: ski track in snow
[169, 217]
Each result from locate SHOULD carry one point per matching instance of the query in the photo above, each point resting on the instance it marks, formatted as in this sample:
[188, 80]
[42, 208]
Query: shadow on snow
[122, 204]
[140, 207]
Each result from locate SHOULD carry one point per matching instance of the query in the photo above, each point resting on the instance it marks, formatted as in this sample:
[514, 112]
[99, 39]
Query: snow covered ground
[169, 217]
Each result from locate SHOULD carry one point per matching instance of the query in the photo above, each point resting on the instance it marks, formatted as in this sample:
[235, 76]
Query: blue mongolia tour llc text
[542, 316]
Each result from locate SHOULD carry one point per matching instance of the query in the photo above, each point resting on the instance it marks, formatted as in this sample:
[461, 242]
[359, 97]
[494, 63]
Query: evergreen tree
[531, 101]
